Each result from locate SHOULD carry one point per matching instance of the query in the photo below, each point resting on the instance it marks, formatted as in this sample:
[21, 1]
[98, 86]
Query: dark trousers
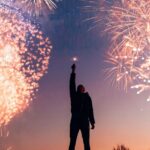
[85, 131]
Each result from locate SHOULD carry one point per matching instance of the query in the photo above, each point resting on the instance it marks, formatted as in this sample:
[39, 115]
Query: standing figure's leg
[74, 129]
[86, 135]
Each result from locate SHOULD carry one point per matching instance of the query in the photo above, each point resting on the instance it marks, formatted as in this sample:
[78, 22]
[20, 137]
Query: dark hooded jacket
[81, 104]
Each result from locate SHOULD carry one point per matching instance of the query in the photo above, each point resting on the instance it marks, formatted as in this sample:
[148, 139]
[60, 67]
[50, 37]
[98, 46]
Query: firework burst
[127, 23]
[36, 7]
[24, 58]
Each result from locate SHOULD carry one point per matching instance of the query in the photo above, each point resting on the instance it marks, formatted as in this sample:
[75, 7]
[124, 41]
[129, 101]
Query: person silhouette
[82, 113]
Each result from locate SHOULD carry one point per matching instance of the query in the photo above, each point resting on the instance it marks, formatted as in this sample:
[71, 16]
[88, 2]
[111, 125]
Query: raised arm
[72, 85]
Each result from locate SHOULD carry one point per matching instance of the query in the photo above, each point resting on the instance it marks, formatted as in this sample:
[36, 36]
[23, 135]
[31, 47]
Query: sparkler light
[24, 58]
[75, 59]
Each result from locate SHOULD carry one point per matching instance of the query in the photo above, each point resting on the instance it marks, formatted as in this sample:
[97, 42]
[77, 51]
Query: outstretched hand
[93, 126]
[73, 67]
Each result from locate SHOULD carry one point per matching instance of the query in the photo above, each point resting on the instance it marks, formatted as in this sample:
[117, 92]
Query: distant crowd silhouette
[82, 113]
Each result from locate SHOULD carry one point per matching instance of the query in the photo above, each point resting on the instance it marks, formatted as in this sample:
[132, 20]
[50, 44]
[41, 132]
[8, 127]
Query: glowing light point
[148, 100]
[75, 59]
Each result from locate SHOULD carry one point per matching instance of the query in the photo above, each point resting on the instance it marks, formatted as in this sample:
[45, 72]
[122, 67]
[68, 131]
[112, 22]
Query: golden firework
[36, 7]
[24, 58]
[128, 23]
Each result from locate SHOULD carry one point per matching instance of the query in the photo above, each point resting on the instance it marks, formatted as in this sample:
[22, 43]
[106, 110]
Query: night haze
[121, 117]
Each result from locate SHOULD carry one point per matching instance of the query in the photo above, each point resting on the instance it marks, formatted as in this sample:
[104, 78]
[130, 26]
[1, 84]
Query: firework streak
[36, 7]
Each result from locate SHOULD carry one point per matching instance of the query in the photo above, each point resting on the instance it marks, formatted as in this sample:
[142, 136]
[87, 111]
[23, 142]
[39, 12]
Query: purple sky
[121, 118]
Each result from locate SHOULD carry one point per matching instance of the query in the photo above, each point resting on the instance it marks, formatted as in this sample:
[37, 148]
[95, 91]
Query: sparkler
[75, 59]
[24, 58]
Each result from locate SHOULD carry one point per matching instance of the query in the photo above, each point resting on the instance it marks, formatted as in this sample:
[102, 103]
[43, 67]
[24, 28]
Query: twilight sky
[121, 118]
